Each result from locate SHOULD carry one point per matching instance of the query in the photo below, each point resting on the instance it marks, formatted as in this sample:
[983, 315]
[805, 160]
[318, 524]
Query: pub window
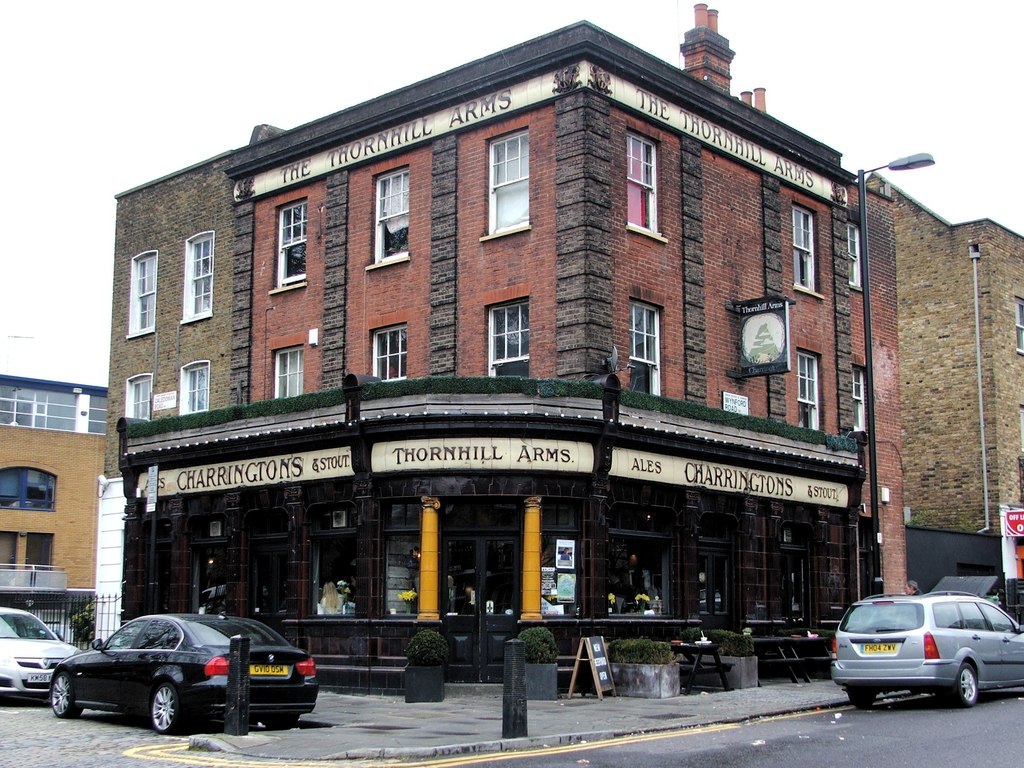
[639, 544]
[559, 560]
[336, 590]
[402, 558]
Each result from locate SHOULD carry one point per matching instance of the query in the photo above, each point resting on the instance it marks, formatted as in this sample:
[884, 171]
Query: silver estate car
[949, 643]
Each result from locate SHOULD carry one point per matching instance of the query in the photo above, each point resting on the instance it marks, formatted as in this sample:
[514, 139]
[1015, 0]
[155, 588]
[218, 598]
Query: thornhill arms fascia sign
[496, 454]
[501, 103]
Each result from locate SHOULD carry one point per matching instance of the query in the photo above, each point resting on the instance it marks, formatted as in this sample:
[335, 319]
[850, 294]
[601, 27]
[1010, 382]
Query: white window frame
[645, 341]
[389, 352]
[853, 246]
[392, 213]
[857, 392]
[1020, 325]
[198, 298]
[195, 387]
[501, 339]
[803, 248]
[291, 233]
[808, 397]
[509, 182]
[138, 397]
[288, 370]
[143, 293]
[642, 175]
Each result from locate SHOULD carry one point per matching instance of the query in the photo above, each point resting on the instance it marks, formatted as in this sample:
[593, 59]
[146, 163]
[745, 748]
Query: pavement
[471, 719]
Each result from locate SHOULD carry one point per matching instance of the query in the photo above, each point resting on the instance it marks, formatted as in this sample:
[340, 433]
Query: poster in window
[565, 554]
[567, 587]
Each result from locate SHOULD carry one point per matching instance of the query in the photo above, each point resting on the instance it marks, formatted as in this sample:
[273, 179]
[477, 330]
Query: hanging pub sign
[764, 335]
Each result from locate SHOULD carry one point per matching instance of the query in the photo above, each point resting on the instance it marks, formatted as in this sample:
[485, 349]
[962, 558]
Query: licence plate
[268, 670]
[880, 648]
[38, 677]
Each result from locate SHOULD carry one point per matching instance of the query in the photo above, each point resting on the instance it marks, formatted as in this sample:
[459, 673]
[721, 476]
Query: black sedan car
[174, 668]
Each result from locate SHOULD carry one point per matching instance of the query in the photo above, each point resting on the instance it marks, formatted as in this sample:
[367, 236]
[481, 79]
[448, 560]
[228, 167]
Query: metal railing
[76, 615]
[20, 577]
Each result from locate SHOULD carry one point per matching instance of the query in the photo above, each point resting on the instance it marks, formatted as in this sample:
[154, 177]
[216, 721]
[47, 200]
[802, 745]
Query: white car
[28, 653]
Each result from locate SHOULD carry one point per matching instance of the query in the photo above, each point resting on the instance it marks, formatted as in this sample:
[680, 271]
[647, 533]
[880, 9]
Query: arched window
[27, 488]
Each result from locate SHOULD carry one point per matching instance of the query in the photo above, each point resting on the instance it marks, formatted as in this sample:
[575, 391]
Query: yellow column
[531, 559]
[429, 547]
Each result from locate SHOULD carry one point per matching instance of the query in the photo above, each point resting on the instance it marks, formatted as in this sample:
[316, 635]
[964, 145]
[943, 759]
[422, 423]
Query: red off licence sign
[1015, 522]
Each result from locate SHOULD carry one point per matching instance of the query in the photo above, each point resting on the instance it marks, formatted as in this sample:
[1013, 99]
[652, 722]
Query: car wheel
[279, 722]
[62, 697]
[165, 713]
[861, 698]
[966, 691]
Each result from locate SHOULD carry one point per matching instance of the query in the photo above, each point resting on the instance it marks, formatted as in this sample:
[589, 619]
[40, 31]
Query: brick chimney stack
[706, 54]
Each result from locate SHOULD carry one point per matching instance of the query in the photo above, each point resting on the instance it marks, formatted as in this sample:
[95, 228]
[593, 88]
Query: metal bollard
[513, 696]
[236, 711]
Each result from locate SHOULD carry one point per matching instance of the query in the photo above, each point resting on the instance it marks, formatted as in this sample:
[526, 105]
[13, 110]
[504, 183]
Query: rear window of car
[220, 631]
[883, 617]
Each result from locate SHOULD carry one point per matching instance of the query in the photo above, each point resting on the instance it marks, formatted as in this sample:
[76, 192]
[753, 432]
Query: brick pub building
[564, 335]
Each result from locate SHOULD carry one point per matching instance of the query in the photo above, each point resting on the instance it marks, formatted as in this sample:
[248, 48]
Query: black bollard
[513, 696]
[236, 711]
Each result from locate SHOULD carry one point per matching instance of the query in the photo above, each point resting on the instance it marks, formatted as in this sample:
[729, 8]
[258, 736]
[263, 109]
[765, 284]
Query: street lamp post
[908, 163]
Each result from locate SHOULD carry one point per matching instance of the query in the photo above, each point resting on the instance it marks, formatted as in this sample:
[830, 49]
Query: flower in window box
[642, 601]
[409, 595]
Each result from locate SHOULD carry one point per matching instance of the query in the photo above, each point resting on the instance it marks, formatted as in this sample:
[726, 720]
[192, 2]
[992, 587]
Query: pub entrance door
[481, 604]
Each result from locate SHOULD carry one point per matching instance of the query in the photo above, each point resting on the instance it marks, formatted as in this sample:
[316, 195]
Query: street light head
[909, 163]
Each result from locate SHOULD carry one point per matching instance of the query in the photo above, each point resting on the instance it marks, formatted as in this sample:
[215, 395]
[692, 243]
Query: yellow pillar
[531, 559]
[429, 548]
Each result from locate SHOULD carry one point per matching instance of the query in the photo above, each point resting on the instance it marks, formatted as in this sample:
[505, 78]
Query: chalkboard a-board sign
[592, 651]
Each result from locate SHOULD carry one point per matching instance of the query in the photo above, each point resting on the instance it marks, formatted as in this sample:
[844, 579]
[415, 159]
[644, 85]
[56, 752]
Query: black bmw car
[174, 668]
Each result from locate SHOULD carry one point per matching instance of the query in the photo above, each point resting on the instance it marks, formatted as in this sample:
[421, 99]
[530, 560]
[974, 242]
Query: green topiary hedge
[541, 647]
[639, 650]
[427, 649]
[485, 385]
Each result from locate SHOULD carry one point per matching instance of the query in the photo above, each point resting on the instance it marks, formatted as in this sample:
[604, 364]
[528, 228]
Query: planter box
[743, 673]
[541, 682]
[646, 681]
[424, 684]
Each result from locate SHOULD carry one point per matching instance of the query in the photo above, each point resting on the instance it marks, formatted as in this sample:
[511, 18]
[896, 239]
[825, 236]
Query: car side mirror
[97, 644]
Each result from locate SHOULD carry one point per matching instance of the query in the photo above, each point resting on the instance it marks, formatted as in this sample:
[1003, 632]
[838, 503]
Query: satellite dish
[613, 360]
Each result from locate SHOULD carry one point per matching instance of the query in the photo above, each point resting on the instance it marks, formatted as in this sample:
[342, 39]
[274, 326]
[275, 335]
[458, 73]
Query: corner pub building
[565, 336]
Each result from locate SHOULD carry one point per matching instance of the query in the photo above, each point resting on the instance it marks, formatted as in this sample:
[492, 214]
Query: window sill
[857, 288]
[138, 334]
[286, 288]
[807, 291]
[196, 318]
[388, 262]
[647, 233]
[504, 232]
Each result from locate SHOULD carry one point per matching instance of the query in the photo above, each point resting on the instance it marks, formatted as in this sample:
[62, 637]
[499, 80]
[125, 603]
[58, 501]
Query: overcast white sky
[104, 96]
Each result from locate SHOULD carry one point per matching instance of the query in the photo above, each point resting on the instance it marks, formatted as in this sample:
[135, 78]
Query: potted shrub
[736, 651]
[426, 655]
[643, 668]
[541, 663]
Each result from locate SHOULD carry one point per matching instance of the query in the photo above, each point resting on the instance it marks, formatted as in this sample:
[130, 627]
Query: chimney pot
[759, 99]
[713, 20]
[747, 97]
[700, 12]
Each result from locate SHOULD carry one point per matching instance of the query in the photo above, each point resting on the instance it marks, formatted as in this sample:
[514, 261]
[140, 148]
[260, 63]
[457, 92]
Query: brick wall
[76, 459]
[942, 459]
[161, 216]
